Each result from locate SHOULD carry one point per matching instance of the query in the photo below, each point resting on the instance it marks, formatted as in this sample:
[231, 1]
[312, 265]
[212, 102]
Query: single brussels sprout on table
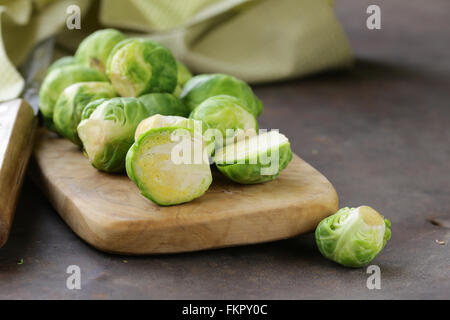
[62, 62]
[109, 132]
[152, 164]
[165, 104]
[59, 79]
[71, 103]
[225, 113]
[353, 237]
[204, 86]
[256, 159]
[94, 50]
[139, 66]
[183, 76]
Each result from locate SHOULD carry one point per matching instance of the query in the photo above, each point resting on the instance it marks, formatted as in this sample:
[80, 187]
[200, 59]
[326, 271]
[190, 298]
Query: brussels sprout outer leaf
[94, 50]
[109, 132]
[204, 86]
[352, 237]
[59, 79]
[165, 104]
[139, 66]
[159, 179]
[71, 103]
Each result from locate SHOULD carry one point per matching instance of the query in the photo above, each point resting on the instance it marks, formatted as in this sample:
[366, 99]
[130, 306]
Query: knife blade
[18, 122]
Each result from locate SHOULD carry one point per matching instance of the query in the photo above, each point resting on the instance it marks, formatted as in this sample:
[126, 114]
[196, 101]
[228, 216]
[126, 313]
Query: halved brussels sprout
[72, 101]
[226, 114]
[162, 178]
[94, 50]
[165, 104]
[183, 76]
[90, 108]
[139, 66]
[109, 132]
[204, 86]
[259, 158]
[353, 237]
[59, 79]
[62, 62]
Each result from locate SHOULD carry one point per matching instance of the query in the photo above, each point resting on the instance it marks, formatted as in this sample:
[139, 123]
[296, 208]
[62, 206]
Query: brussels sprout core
[151, 165]
[353, 237]
[255, 159]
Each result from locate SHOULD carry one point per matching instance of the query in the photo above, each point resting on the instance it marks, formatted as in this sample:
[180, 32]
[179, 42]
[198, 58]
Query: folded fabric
[255, 40]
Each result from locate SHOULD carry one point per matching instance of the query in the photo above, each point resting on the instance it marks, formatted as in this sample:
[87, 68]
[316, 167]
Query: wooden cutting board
[108, 211]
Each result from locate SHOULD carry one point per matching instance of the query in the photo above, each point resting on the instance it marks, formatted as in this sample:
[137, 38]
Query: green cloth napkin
[255, 40]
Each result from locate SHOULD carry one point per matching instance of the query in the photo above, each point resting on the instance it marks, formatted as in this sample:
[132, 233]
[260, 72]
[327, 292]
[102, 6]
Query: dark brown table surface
[381, 134]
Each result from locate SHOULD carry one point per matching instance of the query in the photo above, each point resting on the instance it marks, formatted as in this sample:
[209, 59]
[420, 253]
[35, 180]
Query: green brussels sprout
[90, 107]
[59, 79]
[204, 86]
[225, 113]
[62, 62]
[353, 237]
[109, 132]
[71, 103]
[183, 76]
[165, 104]
[94, 50]
[254, 159]
[162, 178]
[139, 66]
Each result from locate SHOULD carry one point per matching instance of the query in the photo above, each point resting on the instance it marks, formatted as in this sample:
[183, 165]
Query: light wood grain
[108, 211]
[17, 126]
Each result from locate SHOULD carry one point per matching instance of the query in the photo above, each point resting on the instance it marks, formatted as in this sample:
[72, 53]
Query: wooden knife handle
[17, 126]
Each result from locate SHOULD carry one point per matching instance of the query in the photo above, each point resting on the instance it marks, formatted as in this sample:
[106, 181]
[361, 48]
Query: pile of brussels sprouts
[131, 106]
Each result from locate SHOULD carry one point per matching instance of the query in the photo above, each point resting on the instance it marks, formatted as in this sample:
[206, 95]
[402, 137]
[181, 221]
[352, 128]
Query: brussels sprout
[90, 107]
[59, 79]
[151, 164]
[94, 50]
[259, 158]
[139, 66]
[109, 132]
[353, 237]
[183, 76]
[62, 62]
[204, 86]
[225, 113]
[165, 104]
[72, 101]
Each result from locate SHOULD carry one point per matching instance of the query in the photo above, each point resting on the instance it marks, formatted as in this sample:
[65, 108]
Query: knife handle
[17, 126]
